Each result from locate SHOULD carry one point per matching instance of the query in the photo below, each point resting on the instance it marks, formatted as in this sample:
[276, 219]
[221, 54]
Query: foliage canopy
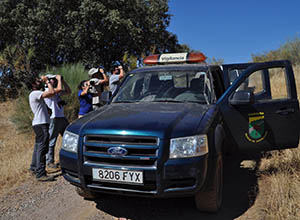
[90, 31]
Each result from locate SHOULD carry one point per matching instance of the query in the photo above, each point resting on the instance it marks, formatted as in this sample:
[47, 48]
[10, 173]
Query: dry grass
[297, 77]
[279, 186]
[15, 150]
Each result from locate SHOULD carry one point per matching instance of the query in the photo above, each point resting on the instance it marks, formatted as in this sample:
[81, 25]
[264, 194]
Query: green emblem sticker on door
[256, 132]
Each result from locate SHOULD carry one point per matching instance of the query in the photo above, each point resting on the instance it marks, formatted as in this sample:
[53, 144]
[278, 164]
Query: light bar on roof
[175, 58]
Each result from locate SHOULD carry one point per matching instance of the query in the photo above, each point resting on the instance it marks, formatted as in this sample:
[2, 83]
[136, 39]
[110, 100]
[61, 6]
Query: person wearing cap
[58, 121]
[117, 74]
[98, 80]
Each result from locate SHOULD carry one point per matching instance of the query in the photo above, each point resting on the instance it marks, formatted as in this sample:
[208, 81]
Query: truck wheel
[86, 194]
[210, 200]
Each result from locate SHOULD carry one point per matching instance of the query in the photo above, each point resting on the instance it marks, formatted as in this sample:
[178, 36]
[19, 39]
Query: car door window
[278, 83]
[277, 89]
[254, 83]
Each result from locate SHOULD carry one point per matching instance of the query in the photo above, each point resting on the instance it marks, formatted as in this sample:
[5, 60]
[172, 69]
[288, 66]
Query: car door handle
[285, 111]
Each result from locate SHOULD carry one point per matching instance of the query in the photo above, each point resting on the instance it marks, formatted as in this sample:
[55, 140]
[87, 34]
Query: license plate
[122, 176]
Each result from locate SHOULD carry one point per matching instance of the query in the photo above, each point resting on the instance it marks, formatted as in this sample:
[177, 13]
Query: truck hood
[164, 120]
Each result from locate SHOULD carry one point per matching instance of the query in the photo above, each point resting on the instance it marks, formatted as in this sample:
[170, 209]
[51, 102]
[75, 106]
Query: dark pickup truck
[167, 128]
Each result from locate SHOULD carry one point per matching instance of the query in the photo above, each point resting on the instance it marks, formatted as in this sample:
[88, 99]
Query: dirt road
[58, 200]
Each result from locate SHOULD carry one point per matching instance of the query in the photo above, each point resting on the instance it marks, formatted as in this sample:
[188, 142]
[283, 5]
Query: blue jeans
[38, 163]
[57, 126]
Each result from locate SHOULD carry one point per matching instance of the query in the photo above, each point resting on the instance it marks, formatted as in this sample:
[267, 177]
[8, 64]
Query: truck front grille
[141, 151]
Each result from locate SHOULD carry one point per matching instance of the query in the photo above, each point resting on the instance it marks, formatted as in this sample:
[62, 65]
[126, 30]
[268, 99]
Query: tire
[86, 194]
[210, 200]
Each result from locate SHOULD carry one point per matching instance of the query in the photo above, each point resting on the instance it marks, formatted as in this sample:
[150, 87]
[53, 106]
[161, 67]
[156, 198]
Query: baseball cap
[92, 71]
[116, 64]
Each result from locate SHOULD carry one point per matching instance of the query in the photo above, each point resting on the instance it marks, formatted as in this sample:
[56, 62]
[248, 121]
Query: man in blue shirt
[85, 98]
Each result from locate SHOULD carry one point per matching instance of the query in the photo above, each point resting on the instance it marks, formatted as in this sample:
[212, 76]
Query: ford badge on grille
[117, 151]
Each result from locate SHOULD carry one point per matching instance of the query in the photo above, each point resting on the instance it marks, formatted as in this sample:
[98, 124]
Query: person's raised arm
[121, 75]
[67, 90]
[58, 89]
[104, 81]
[50, 92]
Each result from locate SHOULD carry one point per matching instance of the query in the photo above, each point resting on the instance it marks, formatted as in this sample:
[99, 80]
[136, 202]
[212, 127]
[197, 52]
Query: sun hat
[92, 71]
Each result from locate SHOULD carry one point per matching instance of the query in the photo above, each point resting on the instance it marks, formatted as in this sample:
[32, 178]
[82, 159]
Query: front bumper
[170, 178]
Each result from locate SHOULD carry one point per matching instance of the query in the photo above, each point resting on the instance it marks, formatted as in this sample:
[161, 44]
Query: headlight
[70, 142]
[188, 146]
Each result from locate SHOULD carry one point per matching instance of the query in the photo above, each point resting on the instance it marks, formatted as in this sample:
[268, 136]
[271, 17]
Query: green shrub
[72, 107]
[22, 116]
[73, 74]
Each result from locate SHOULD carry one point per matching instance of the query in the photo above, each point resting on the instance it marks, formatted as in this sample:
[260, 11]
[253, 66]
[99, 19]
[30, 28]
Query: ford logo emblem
[117, 151]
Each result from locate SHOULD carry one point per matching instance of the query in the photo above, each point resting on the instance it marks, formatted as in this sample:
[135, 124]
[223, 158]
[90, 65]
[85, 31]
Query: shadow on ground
[240, 190]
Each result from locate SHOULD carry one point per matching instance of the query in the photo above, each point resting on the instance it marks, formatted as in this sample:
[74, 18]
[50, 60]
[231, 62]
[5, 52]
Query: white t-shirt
[95, 89]
[56, 109]
[39, 108]
[113, 82]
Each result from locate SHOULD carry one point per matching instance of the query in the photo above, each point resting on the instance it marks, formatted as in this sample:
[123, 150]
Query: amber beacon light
[175, 58]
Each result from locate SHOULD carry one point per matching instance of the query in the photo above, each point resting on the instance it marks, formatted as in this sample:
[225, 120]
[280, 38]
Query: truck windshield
[166, 86]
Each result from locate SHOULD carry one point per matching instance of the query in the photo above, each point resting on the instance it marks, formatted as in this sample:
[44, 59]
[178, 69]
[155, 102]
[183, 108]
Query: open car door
[257, 122]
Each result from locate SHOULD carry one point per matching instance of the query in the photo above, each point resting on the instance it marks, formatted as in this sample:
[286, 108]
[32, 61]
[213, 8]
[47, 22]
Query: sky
[233, 30]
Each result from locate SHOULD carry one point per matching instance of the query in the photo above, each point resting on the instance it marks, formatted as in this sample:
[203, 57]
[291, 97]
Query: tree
[290, 50]
[215, 61]
[14, 68]
[91, 31]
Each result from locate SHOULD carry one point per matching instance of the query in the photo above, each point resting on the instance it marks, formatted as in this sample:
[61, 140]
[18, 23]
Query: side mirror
[106, 96]
[242, 97]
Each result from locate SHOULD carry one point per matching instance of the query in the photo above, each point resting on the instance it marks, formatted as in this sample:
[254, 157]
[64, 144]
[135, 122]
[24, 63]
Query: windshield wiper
[199, 102]
[125, 101]
[167, 100]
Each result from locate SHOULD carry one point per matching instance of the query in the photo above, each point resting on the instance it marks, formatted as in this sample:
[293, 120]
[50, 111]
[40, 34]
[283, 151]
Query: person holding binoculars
[40, 124]
[98, 80]
[58, 121]
[85, 98]
[117, 73]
